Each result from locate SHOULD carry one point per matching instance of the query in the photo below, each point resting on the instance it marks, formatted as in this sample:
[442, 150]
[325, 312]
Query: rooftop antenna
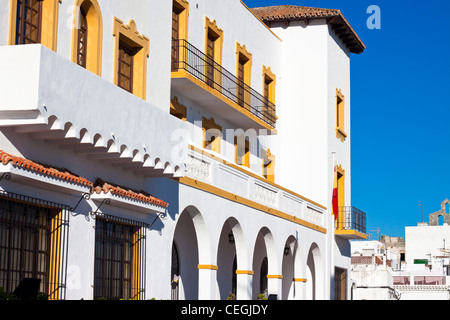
[421, 208]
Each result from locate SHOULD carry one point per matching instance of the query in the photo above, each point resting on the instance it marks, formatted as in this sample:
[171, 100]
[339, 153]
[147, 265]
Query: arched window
[33, 21]
[87, 35]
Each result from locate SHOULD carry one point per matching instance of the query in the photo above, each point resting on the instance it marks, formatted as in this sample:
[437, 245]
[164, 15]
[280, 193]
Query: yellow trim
[340, 115]
[232, 165]
[242, 53]
[341, 195]
[184, 74]
[353, 234]
[177, 109]
[208, 267]
[55, 257]
[129, 34]
[49, 31]
[274, 276]
[183, 5]
[268, 165]
[95, 34]
[212, 129]
[300, 280]
[249, 203]
[212, 28]
[136, 265]
[267, 73]
[249, 272]
[242, 151]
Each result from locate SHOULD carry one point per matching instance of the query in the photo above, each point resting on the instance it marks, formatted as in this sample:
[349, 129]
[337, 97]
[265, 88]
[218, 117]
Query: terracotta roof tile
[287, 11]
[44, 169]
[334, 17]
[105, 187]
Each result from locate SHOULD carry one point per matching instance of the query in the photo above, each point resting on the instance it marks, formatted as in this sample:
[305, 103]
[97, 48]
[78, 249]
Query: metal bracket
[5, 175]
[86, 196]
[158, 216]
[105, 201]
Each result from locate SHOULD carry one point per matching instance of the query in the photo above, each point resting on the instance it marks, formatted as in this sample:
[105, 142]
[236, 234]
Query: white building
[175, 149]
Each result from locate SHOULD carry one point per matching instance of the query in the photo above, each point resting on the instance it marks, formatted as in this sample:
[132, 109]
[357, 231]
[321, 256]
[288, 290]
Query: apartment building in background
[176, 149]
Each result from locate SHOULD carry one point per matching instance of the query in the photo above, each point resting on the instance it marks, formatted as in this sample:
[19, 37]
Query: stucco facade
[201, 217]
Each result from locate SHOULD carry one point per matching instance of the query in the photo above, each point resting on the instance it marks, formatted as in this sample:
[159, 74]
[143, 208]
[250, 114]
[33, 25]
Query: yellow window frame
[49, 31]
[95, 34]
[129, 34]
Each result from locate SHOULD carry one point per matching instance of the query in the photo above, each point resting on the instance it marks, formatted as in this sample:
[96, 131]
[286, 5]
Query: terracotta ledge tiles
[59, 173]
[105, 187]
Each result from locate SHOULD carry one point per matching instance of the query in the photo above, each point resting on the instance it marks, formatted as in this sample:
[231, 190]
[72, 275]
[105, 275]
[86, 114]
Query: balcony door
[175, 37]
[210, 54]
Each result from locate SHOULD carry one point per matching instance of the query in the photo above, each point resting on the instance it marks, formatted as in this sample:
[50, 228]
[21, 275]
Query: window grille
[33, 243]
[119, 258]
[28, 21]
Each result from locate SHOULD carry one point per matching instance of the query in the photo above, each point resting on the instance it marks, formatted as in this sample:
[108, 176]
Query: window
[125, 69]
[29, 19]
[82, 40]
[243, 72]
[340, 104]
[33, 243]
[119, 271]
[33, 21]
[269, 81]
[213, 56]
[130, 66]
[87, 35]
[268, 165]
[180, 13]
[341, 220]
[212, 135]
[242, 151]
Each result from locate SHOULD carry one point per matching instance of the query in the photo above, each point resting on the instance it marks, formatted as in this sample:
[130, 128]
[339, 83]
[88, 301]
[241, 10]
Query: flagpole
[331, 227]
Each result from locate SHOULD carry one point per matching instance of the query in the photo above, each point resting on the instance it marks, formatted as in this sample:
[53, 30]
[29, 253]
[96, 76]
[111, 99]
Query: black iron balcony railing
[351, 218]
[187, 57]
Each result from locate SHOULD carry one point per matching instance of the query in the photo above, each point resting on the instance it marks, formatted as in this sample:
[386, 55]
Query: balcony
[351, 223]
[84, 113]
[215, 174]
[210, 85]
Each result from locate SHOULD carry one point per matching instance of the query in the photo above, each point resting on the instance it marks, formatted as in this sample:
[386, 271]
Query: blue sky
[400, 109]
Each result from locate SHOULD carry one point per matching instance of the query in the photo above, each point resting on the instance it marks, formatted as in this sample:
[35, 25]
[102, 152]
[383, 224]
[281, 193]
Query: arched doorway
[192, 244]
[264, 265]
[315, 277]
[288, 269]
[231, 256]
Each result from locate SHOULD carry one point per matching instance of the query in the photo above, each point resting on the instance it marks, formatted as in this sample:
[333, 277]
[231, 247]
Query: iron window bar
[34, 236]
[351, 218]
[196, 63]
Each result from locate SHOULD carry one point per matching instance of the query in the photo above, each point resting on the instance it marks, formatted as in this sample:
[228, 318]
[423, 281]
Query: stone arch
[315, 274]
[289, 268]
[231, 248]
[193, 243]
[264, 248]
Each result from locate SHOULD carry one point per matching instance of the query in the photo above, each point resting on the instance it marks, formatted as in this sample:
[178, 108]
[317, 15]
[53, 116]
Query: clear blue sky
[400, 109]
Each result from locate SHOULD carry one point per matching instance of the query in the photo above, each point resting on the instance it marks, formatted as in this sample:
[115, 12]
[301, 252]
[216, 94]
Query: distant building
[418, 266]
